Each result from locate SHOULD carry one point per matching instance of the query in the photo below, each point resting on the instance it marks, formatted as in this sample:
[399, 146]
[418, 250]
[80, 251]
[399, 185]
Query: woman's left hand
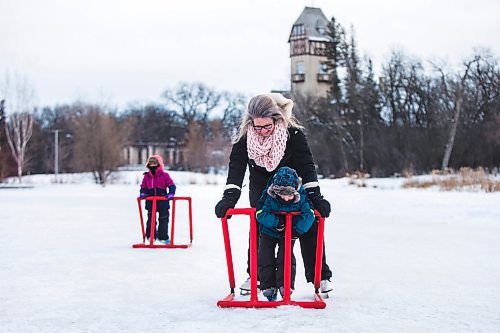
[322, 206]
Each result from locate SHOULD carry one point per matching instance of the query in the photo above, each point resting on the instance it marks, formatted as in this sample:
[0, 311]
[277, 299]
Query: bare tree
[405, 109]
[193, 102]
[233, 106]
[218, 146]
[195, 155]
[19, 95]
[2, 121]
[456, 97]
[98, 142]
[7, 163]
[19, 130]
[207, 147]
[317, 117]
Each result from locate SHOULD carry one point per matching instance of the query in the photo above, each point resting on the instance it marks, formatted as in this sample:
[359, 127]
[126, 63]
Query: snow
[403, 261]
[319, 39]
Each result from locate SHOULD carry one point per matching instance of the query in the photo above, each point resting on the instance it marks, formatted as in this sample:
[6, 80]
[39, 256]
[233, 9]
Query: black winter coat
[297, 156]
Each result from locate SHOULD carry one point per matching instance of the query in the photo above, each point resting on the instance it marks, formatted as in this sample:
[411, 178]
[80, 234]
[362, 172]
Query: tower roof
[315, 24]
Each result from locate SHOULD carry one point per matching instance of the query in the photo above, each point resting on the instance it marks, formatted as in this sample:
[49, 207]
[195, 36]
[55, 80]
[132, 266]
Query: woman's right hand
[229, 200]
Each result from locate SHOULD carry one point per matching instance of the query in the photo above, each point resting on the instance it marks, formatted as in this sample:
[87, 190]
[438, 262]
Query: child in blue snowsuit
[283, 193]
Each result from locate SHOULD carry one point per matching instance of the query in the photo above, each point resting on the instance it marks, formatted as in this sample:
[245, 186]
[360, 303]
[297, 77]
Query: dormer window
[298, 30]
[320, 27]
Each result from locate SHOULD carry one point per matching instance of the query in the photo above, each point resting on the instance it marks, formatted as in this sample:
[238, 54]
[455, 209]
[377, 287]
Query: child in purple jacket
[155, 183]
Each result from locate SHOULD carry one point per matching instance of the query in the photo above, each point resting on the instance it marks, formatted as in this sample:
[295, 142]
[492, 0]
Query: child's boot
[282, 291]
[270, 294]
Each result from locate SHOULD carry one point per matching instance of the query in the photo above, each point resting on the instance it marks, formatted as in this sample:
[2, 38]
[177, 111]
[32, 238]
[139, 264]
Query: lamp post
[56, 152]
[56, 149]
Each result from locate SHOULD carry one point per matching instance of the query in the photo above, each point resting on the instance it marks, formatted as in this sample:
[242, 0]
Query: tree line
[413, 116]
[91, 137]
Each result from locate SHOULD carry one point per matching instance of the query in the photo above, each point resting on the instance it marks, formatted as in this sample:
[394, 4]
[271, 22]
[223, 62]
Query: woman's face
[264, 126]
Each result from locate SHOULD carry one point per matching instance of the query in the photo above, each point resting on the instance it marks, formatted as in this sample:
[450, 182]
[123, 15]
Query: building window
[318, 48]
[298, 78]
[323, 68]
[299, 67]
[299, 75]
[298, 30]
[323, 75]
[320, 27]
[298, 47]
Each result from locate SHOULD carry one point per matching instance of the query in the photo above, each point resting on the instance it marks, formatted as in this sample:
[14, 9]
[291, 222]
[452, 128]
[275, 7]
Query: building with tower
[308, 40]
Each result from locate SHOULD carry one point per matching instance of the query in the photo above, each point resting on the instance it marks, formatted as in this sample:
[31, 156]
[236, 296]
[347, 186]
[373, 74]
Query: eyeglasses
[264, 127]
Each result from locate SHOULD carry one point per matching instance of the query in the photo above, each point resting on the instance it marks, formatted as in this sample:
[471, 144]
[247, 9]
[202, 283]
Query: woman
[270, 137]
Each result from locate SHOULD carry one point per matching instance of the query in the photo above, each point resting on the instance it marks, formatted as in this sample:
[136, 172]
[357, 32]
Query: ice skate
[245, 288]
[326, 286]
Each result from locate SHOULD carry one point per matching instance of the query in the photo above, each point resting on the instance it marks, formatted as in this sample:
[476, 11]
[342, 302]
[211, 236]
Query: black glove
[281, 223]
[229, 200]
[319, 202]
[295, 234]
[322, 206]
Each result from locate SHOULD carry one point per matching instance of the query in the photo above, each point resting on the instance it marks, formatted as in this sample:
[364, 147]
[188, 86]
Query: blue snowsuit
[285, 181]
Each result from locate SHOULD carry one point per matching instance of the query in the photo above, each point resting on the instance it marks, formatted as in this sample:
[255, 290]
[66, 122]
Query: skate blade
[245, 292]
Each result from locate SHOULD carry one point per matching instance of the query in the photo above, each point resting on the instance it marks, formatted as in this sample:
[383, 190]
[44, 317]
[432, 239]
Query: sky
[129, 51]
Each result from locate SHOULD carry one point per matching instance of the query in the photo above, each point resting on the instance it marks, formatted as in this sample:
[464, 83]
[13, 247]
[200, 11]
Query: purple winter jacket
[157, 185]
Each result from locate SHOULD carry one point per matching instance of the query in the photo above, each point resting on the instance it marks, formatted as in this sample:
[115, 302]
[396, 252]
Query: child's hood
[285, 182]
[160, 161]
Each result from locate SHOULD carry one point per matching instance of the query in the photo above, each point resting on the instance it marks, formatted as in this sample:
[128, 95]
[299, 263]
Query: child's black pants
[271, 268]
[162, 232]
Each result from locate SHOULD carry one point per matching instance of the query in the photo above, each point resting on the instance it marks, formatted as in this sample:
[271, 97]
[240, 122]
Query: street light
[56, 150]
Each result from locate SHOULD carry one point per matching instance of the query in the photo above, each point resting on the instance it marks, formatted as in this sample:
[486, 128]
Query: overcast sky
[122, 51]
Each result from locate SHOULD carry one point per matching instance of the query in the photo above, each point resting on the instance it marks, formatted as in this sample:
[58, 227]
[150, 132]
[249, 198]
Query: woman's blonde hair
[274, 106]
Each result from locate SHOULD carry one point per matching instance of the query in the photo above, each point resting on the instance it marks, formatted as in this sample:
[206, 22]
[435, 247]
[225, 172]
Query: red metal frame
[172, 245]
[229, 301]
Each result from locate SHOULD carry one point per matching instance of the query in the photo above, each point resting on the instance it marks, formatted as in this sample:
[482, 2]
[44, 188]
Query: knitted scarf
[268, 151]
